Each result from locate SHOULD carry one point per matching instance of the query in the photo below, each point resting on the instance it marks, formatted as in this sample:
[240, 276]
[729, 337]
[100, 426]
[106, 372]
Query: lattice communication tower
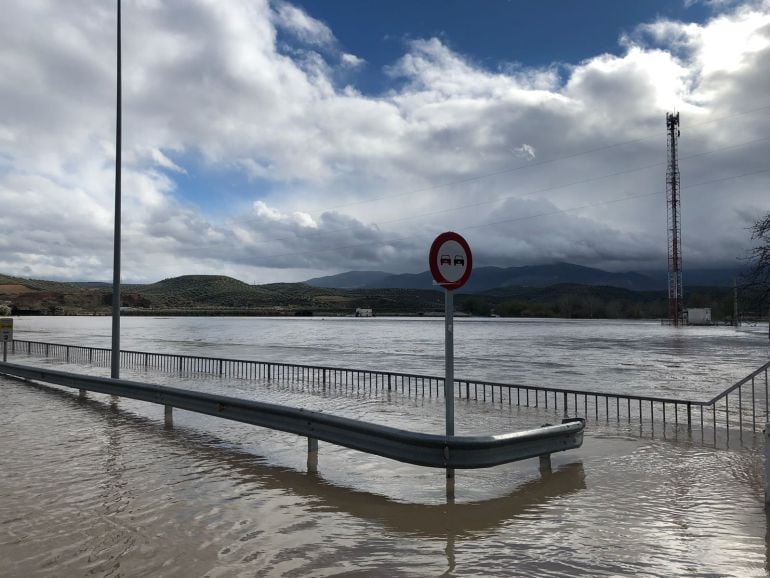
[675, 289]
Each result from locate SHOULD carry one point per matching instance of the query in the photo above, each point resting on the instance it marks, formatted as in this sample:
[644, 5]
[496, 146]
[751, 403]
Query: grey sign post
[6, 335]
[451, 263]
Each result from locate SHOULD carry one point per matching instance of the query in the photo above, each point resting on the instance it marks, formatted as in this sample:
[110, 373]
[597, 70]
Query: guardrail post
[689, 415]
[545, 464]
[565, 403]
[82, 393]
[268, 371]
[388, 382]
[312, 456]
[323, 372]
[168, 415]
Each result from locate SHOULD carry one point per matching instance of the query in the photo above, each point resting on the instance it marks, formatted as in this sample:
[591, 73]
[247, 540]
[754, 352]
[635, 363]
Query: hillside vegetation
[221, 295]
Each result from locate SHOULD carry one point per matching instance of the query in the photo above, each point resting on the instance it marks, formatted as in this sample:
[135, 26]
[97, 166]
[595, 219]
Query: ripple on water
[109, 491]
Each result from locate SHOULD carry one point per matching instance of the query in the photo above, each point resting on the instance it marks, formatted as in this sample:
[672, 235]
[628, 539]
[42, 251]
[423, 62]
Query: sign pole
[451, 263]
[5, 351]
[449, 368]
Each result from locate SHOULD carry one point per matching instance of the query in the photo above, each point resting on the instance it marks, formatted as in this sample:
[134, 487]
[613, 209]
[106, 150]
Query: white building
[699, 316]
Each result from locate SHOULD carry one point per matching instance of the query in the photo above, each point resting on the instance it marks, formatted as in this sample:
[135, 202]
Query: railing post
[689, 415]
[753, 408]
[168, 415]
[388, 382]
[545, 464]
[767, 463]
[268, 371]
[565, 403]
[312, 455]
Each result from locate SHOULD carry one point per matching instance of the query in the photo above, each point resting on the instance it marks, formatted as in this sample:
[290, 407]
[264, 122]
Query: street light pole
[115, 361]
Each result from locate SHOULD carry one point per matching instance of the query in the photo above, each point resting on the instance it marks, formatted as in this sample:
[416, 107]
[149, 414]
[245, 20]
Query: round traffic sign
[450, 260]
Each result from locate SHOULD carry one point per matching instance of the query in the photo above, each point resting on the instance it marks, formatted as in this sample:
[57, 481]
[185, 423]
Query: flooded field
[98, 487]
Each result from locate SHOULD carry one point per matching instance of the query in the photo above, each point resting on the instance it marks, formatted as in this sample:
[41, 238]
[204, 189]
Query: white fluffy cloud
[531, 164]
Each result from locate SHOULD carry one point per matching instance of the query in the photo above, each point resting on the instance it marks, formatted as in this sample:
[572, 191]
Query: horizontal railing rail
[569, 401]
[739, 384]
[423, 449]
[231, 367]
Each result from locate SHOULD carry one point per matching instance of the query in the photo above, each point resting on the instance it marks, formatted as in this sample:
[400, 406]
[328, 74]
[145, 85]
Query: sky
[278, 141]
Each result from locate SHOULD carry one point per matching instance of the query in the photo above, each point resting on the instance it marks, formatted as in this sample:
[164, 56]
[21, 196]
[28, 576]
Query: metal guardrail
[439, 451]
[752, 407]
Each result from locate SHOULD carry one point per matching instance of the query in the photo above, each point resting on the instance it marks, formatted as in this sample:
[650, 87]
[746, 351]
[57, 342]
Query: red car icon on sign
[459, 260]
[446, 260]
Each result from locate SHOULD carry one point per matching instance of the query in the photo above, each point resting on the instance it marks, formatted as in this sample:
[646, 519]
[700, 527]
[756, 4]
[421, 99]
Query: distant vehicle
[459, 260]
[446, 260]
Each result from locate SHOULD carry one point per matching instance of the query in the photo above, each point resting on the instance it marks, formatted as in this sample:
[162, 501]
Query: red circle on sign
[450, 268]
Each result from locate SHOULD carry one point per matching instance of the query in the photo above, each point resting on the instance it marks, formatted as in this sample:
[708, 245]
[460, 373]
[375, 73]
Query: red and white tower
[675, 290]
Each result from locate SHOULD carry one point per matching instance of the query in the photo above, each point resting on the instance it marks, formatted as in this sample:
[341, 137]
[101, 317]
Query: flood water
[103, 488]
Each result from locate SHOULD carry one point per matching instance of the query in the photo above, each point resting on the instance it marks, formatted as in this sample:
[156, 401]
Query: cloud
[303, 26]
[524, 151]
[352, 61]
[533, 164]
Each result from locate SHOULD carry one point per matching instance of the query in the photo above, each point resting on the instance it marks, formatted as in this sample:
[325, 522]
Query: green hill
[40, 285]
[200, 290]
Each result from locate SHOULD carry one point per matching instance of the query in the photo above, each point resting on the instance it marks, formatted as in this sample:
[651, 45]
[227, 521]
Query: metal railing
[748, 414]
[432, 450]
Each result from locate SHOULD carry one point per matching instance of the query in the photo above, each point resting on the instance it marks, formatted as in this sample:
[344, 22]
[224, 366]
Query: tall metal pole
[115, 362]
[675, 290]
[449, 367]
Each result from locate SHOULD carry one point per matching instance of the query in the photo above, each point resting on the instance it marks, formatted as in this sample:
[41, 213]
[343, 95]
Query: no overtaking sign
[450, 260]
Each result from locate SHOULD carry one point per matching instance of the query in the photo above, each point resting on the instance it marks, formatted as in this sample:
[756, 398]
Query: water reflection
[618, 506]
[767, 539]
[425, 520]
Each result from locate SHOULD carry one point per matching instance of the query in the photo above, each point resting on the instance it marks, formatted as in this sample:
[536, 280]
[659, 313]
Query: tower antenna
[673, 203]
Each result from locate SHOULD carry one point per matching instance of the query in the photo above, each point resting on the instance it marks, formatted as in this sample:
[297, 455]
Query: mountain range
[490, 278]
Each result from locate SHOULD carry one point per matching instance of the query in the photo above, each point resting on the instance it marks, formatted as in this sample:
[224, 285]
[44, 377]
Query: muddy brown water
[104, 488]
